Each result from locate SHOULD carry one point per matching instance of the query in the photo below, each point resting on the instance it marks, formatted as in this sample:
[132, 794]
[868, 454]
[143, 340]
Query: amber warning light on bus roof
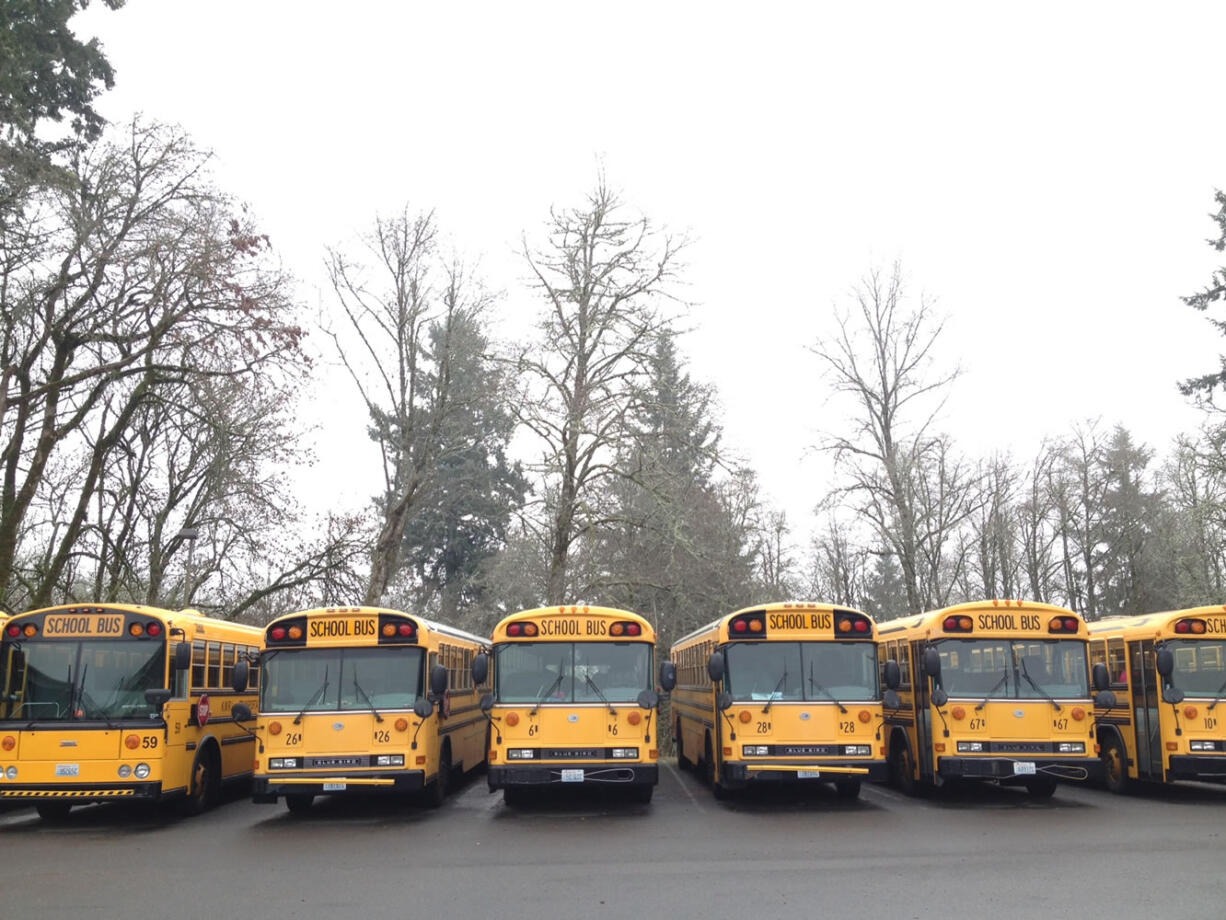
[958, 624]
[522, 629]
[625, 629]
[1062, 624]
[748, 626]
[1190, 626]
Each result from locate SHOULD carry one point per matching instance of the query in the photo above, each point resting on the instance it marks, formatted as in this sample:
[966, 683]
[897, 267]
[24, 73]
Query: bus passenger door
[1145, 699]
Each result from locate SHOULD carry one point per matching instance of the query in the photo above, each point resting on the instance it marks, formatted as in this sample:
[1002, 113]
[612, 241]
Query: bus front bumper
[1197, 766]
[735, 774]
[587, 774]
[266, 789]
[1019, 769]
[80, 793]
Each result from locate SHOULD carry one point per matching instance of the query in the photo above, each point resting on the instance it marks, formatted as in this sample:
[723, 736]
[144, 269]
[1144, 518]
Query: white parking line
[681, 783]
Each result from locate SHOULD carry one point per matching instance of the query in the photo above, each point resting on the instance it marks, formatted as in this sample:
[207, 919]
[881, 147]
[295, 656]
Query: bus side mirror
[241, 712]
[423, 708]
[239, 676]
[668, 676]
[648, 699]
[183, 656]
[1166, 663]
[487, 702]
[157, 698]
[715, 667]
[1100, 677]
[939, 697]
[893, 675]
[438, 680]
[1105, 700]
[932, 663]
[891, 700]
[723, 700]
[480, 668]
[1172, 695]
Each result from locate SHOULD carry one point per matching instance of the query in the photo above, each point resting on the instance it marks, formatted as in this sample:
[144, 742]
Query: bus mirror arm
[423, 709]
[241, 713]
[487, 703]
[723, 702]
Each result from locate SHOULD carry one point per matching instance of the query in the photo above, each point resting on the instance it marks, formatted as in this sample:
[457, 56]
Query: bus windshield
[340, 679]
[1016, 669]
[89, 679]
[1200, 666]
[794, 671]
[573, 672]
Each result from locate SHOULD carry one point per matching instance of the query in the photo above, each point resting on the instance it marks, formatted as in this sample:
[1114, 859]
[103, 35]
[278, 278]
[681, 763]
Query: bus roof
[773, 607]
[188, 616]
[930, 621]
[1162, 621]
[440, 628]
[580, 610]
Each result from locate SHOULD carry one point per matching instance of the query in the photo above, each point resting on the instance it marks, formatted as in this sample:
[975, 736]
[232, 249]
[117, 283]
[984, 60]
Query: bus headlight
[520, 753]
[142, 771]
[970, 747]
[389, 760]
[857, 750]
[756, 750]
[10, 773]
[1202, 745]
[1071, 747]
[283, 763]
[625, 753]
[125, 770]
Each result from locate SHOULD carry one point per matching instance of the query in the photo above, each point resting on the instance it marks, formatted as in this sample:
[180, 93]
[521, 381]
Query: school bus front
[573, 703]
[344, 707]
[96, 709]
[1001, 693]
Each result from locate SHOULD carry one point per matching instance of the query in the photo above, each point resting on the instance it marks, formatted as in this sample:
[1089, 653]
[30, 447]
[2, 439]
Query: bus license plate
[334, 787]
[572, 776]
[67, 769]
[1023, 768]
[808, 774]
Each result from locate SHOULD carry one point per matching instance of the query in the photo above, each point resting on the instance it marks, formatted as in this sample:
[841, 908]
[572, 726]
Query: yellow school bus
[573, 702]
[364, 699]
[992, 690]
[1167, 674]
[116, 702]
[781, 693]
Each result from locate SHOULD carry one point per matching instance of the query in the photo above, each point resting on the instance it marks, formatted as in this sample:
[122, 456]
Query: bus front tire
[202, 792]
[53, 812]
[299, 804]
[1115, 767]
[902, 768]
[436, 792]
[1041, 788]
[847, 788]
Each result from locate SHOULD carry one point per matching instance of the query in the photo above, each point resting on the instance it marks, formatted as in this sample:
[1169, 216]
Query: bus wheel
[1042, 787]
[847, 788]
[902, 768]
[682, 761]
[1115, 766]
[437, 791]
[202, 791]
[299, 804]
[53, 812]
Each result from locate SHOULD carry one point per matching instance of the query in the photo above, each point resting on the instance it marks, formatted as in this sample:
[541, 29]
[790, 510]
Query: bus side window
[198, 662]
[1117, 663]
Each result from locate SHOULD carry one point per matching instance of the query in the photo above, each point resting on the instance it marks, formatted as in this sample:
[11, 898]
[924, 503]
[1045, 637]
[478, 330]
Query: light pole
[189, 534]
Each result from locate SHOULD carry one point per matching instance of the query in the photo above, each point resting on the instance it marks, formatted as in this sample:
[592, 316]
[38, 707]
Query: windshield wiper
[1041, 691]
[78, 694]
[814, 685]
[591, 683]
[557, 682]
[771, 699]
[1004, 676]
[1217, 697]
[317, 695]
[362, 693]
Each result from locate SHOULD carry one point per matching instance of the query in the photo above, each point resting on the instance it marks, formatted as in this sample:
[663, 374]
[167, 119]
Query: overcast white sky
[1043, 170]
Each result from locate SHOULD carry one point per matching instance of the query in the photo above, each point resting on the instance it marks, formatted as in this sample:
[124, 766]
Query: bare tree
[882, 359]
[400, 310]
[601, 276]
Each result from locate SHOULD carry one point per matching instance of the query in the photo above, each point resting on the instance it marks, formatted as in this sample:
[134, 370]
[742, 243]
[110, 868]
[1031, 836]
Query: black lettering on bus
[825, 621]
[997, 621]
[1031, 621]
